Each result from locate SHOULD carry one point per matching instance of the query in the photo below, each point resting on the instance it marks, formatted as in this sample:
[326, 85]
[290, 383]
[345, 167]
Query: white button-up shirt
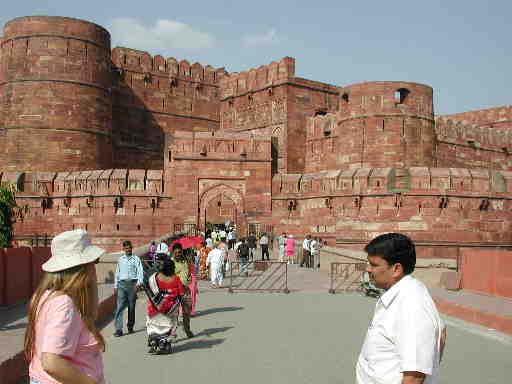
[404, 335]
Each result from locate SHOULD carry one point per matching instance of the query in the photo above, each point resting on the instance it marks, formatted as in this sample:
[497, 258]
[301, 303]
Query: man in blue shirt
[129, 278]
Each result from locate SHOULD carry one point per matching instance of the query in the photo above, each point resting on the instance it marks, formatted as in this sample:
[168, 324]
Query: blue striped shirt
[129, 268]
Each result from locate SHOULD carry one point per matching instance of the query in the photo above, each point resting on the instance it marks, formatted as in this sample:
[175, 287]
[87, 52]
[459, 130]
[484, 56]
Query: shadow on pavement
[215, 310]
[197, 344]
[15, 326]
[211, 331]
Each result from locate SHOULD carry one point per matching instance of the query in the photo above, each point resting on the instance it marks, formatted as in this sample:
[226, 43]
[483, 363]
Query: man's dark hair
[177, 246]
[394, 248]
[127, 243]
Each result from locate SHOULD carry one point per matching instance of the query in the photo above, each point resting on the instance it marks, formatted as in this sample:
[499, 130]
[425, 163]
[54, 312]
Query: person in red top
[164, 290]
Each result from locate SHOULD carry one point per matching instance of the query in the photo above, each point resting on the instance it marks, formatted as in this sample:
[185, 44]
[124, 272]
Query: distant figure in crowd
[216, 262]
[62, 343]
[290, 249]
[162, 248]
[203, 254]
[232, 238]
[165, 291]
[243, 255]
[209, 242]
[264, 246]
[128, 280]
[183, 270]
[314, 247]
[306, 252]
[251, 242]
[150, 256]
[215, 236]
[405, 341]
[223, 235]
[281, 241]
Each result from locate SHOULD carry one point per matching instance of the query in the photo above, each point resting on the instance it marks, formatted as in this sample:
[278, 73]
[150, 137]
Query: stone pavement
[303, 337]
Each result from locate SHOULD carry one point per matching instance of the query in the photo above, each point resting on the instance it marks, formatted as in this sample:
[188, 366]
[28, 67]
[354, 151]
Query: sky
[458, 47]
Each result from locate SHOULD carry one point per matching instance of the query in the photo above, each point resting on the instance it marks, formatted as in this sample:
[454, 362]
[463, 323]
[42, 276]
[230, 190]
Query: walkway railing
[258, 276]
[346, 276]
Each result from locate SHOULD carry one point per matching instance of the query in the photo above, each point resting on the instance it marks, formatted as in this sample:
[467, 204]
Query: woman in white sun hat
[62, 343]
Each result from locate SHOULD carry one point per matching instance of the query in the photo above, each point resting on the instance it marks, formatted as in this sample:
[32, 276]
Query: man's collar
[387, 298]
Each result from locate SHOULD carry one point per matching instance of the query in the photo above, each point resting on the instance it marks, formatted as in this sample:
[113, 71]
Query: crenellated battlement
[239, 83]
[414, 180]
[143, 63]
[92, 183]
[462, 144]
[500, 117]
[219, 145]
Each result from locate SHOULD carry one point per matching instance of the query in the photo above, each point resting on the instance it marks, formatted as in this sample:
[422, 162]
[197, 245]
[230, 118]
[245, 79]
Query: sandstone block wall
[154, 96]
[443, 206]
[461, 144]
[500, 117]
[223, 176]
[386, 124]
[54, 89]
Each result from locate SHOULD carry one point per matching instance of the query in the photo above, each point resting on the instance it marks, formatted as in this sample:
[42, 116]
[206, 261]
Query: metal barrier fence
[346, 277]
[258, 276]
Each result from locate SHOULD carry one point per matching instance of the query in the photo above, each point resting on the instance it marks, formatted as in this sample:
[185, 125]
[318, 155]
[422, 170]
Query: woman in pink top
[62, 343]
[289, 247]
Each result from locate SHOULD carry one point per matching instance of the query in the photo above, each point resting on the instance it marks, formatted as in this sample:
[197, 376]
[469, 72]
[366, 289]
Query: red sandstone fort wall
[386, 124]
[154, 96]
[54, 90]
[500, 117]
[270, 101]
[434, 205]
[112, 204]
[469, 145]
[206, 169]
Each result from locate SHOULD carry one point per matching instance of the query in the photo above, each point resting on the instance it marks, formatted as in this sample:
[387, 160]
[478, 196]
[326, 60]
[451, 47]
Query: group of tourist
[404, 343]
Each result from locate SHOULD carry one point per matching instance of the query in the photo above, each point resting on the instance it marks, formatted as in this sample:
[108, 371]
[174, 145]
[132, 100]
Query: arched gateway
[222, 203]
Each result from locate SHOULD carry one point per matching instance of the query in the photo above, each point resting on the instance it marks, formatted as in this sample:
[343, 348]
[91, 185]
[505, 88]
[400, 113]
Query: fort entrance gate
[222, 203]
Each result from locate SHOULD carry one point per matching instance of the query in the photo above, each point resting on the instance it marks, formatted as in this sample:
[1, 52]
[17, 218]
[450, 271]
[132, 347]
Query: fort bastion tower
[55, 92]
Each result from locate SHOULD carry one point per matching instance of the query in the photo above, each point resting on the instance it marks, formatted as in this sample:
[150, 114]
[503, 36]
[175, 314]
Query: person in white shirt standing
[306, 252]
[406, 337]
[215, 260]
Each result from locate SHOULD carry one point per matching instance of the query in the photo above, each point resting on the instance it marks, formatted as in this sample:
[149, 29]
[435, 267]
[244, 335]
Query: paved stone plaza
[307, 336]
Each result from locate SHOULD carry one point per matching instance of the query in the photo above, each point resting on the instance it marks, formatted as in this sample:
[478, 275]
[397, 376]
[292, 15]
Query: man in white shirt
[215, 260]
[306, 252]
[406, 337]
[264, 246]
[314, 246]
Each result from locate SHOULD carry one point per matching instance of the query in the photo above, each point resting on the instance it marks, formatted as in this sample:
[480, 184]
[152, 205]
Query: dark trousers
[305, 258]
[264, 251]
[126, 297]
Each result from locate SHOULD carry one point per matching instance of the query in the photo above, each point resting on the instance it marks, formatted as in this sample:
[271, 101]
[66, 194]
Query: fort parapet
[129, 145]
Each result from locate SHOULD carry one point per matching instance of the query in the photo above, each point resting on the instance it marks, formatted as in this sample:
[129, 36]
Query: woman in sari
[203, 255]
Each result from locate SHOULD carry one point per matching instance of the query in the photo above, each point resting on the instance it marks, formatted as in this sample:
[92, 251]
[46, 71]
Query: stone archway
[222, 203]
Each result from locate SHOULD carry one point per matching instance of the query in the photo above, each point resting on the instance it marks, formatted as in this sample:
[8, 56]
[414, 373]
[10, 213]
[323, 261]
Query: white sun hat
[70, 249]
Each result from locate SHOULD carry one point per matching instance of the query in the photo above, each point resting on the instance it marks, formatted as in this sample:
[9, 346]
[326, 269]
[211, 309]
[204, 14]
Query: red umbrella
[188, 242]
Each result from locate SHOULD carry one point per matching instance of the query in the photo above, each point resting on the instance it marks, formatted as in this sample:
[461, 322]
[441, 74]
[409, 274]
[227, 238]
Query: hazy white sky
[459, 47]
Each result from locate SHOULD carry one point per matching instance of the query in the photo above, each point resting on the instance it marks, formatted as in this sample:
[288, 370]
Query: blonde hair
[77, 283]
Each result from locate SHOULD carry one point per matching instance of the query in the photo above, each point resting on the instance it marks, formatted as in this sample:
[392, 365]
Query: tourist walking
[251, 242]
[264, 246]
[165, 291]
[183, 270]
[203, 254]
[314, 247]
[281, 241]
[290, 249]
[406, 337]
[243, 256]
[62, 343]
[306, 252]
[231, 238]
[128, 279]
[215, 260]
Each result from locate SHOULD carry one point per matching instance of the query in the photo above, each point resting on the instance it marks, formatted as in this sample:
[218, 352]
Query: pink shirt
[60, 330]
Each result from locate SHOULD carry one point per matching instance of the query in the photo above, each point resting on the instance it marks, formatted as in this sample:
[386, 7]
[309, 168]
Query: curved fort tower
[386, 124]
[55, 92]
